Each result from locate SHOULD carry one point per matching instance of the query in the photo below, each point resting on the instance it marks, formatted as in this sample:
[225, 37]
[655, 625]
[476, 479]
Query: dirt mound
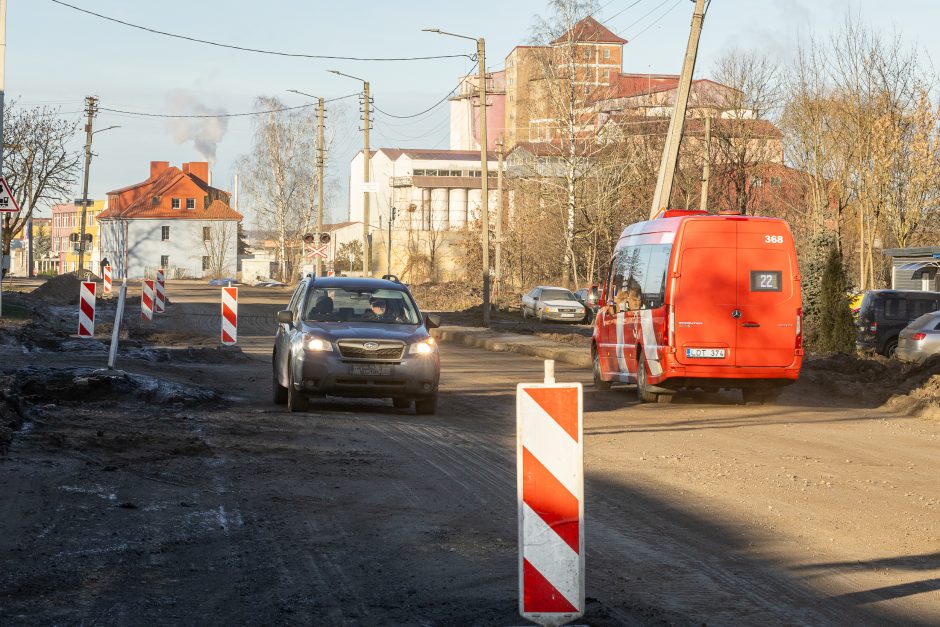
[454, 296]
[41, 385]
[62, 289]
[899, 386]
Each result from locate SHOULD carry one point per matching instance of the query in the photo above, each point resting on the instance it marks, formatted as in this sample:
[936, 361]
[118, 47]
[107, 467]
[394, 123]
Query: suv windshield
[381, 306]
[557, 295]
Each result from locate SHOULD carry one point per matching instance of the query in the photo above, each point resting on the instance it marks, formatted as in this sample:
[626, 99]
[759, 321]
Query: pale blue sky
[56, 55]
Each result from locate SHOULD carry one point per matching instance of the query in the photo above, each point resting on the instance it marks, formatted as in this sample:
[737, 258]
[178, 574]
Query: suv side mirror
[285, 317]
[432, 321]
[594, 295]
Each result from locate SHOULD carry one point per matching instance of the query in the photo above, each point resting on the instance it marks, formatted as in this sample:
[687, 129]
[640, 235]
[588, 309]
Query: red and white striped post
[146, 300]
[229, 316]
[159, 305]
[86, 309]
[106, 278]
[550, 493]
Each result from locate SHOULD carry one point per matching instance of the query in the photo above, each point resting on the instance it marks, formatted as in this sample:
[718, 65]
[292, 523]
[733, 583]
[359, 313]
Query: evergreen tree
[836, 330]
[813, 265]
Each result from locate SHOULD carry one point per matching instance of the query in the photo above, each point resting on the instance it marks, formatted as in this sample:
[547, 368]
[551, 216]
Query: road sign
[7, 201]
[229, 316]
[312, 250]
[86, 309]
[549, 459]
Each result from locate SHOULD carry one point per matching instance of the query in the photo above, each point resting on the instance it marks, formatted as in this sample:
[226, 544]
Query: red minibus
[696, 300]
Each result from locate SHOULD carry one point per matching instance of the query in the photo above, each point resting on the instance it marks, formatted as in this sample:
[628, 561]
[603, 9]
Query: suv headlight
[424, 347]
[551, 309]
[317, 344]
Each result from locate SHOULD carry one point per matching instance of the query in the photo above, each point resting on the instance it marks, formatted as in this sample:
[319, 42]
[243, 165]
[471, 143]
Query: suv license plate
[705, 353]
[370, 370]
[567, 315]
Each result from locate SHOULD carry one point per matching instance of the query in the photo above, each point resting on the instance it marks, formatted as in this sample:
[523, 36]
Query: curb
[514, 343]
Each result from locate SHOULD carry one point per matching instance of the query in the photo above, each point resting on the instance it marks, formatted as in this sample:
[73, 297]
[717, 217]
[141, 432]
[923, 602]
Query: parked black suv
[884, 313]
[355, 337]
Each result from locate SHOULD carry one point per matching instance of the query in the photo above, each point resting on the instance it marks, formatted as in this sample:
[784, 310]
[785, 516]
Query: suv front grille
[363, 350]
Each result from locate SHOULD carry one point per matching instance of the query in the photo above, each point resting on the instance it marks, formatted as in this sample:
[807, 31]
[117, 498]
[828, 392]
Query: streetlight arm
[356, 78]
[441, 32]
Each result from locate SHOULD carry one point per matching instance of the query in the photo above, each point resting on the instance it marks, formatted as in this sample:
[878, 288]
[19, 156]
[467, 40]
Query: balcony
[400, 181]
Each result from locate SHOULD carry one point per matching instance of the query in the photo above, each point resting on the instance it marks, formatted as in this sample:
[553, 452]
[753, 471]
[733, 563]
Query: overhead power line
[432, 107]
[621, 11]
[255, 50]
[657, 20]
[220, 115]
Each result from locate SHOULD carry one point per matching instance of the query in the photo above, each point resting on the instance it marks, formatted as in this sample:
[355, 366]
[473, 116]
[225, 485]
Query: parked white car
[553, 303]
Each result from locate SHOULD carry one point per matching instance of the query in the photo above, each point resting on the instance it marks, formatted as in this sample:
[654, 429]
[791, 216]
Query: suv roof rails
[390, 277]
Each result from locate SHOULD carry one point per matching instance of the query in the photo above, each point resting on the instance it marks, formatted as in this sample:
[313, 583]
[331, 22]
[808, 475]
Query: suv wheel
[278, 391]
[426, 406]
[891, 349]
[296, 400]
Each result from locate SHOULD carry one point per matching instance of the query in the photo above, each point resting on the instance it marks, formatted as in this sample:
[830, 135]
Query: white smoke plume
[204, 133]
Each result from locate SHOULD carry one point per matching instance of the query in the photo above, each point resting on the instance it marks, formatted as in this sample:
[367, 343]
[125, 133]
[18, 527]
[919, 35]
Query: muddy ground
[173, 491]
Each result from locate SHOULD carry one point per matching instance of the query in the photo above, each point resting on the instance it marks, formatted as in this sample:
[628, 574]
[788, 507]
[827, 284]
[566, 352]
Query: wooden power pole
[667, 167]
[498, 263]
[320, 165]
[484, 180]
[366, 247]
[706, 167]
[91, 108]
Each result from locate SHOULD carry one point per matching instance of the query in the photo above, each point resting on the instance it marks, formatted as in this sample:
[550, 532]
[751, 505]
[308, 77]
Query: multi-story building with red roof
[175, 220]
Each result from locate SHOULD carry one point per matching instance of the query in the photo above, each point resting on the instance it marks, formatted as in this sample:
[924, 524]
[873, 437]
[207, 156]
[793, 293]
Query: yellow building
[66, 227]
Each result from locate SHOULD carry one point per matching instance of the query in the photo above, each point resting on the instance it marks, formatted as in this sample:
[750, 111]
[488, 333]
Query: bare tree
[280, 177]
[741, 134]
[38, 164]
[218, 243]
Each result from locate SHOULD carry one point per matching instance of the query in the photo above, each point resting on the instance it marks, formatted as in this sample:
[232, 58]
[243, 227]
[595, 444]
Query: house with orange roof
[173, 220]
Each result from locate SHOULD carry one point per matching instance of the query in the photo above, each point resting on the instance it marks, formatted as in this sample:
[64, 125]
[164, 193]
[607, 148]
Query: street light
[366, 249]
[484, 165]
[320, 164]
[92, 109]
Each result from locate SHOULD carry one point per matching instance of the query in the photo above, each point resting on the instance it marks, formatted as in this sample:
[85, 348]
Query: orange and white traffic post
[159, 304]
[146, 300]
[550, 495]
[86, 309]
[106, 280]
[229, 316]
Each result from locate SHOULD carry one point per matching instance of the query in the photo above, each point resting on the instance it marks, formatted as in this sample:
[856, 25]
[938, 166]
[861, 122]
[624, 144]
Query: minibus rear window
[766, 280]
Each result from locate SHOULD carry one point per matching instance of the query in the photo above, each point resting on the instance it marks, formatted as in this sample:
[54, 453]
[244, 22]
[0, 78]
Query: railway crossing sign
[7, 201]
[312, 250]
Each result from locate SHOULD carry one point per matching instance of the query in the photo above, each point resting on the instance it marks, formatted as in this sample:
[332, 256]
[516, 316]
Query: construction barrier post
[86, 309]
[229, 316]
[106, 280]
[159, 305]
[550, 496]
[118, 318]
[146, 300]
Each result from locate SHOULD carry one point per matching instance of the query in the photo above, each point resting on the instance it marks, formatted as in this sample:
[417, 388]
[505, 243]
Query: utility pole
[667, 167]
[706, 167]
[484, 180]
[320, 164]
[366, 247]
[3, 64]
[498, 263]
[388, 245]
[91, 108]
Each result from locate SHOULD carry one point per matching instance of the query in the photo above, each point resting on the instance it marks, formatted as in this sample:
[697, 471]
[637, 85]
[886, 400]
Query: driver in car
[380, 310]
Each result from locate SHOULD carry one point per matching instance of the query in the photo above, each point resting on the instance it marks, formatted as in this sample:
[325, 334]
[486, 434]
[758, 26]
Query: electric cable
[256, 50]
[436, 104]
[657, 20]
[220, 115]
[620, 12]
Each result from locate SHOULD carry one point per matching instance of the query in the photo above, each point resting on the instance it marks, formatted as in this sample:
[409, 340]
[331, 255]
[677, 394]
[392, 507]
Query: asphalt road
[126, 511]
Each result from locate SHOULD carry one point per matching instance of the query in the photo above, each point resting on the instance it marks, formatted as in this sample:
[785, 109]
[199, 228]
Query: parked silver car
[552, 303]
[920, 339]
[355, 337]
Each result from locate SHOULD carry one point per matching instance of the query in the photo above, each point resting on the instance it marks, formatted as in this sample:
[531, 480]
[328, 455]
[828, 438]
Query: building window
[606, 53]
[164, 233]
[587, 53]
[175, 203]
[164, 261]
[206, 233]
[775, 181]
[190, 203]
[205, 262]
[154, 200]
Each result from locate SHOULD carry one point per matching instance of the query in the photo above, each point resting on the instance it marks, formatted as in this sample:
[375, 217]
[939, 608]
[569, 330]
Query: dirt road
[144, 499]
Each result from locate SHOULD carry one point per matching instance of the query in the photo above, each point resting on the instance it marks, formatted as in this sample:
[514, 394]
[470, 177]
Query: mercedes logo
[736, 314]
[370, 346]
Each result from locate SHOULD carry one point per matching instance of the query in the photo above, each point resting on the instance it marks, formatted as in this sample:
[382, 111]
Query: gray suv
[355, 337]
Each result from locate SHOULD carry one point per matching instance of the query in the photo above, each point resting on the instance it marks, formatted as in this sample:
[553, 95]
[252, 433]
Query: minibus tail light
[799, 328]
[873, 328]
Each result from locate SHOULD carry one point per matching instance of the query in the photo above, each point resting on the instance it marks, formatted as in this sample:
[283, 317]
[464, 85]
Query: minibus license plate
[706, 353]
[370, 370]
